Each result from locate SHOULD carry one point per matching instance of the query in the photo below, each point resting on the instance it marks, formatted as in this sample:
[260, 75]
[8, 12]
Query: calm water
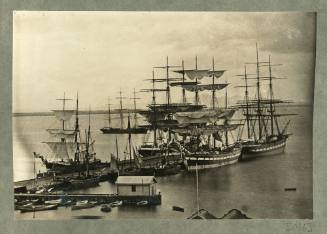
[255, 187]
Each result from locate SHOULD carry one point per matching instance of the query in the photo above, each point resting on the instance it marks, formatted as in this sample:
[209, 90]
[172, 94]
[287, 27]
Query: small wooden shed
[136, 186]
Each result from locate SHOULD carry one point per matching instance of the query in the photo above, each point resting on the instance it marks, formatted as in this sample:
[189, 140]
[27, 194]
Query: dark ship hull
[61, 167]
[212, 159]
[83, 182]
[154, 156]
[158, 161]
[253, 150]
[138, 130]
[165, 170]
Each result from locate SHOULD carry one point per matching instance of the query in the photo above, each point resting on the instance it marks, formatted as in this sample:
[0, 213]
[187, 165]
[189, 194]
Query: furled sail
[194, 88]
[173, 84]
[62, 133]
[206, 130]
[204, 116]
[194, 74]
[216, 74]
[63, 115]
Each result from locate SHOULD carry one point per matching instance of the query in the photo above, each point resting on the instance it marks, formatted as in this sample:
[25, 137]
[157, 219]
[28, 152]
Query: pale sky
[97, 53]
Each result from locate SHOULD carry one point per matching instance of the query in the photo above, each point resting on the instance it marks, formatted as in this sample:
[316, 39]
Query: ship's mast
[77, 132]
[121, 109]
[134, 102]
[63, 108]
[226, 121]
[109, 113]
[197, 189]
[168, 99]
[34, 170]
[196, 80]
[167, 79]
[88, 144]
[183, 80]
[167, 82]
[154, 111]
[271, 99]
[117, 151]
[258, 94]
[247, 101]
[213, 83]
[129, 139]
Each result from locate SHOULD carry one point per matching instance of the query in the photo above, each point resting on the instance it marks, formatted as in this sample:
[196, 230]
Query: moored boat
[213, 158]
[67, 149]
[34, 208]
[81, 182]
[122, 130]
[84, 205]
[116, 204]
[270, 147]
[142, 203]
[105, 208]
[54, 202]
[200, 128]
[264, 136]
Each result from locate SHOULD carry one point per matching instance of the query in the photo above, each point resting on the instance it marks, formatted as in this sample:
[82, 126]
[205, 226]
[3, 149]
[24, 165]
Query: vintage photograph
[163, 115]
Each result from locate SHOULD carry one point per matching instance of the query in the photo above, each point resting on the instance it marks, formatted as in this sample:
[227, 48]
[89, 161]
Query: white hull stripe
[268, 148]
[199, 167]
[217, 158]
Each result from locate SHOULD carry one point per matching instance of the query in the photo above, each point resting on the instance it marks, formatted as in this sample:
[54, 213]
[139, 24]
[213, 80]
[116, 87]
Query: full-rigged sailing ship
[206, 132]
[198, 126]
[161, 152]
[264, 135]
[128, 165]
[122, 130]
[84, 180]
[133, 163]
[68, 152]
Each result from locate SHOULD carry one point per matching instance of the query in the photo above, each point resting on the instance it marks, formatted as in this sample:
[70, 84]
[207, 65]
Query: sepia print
[163, 115]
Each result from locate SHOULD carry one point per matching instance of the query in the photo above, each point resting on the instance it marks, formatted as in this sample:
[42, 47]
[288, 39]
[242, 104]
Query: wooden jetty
[48, 179]
[100, 198]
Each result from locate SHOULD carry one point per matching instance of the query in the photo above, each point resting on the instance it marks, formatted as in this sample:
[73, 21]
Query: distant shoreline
[19, 114]
[116, 111]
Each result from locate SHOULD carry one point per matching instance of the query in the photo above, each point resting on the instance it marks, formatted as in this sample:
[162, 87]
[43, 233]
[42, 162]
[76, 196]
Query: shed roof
[135, 180]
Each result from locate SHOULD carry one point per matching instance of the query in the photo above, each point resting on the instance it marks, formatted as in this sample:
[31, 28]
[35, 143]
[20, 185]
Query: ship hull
[161, 171]
[123, 130]
[84, 183]
[37, 208]
[263, 149]
[73, 167]
[199, 161]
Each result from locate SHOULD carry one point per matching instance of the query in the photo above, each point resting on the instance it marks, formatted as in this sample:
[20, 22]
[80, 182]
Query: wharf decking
[100, 198]
[49, 179]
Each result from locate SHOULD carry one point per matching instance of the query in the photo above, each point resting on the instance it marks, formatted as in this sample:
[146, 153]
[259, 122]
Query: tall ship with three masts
[264, 133]
[206, 133]
[68, 153]
[122, 130]
[192, 132]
